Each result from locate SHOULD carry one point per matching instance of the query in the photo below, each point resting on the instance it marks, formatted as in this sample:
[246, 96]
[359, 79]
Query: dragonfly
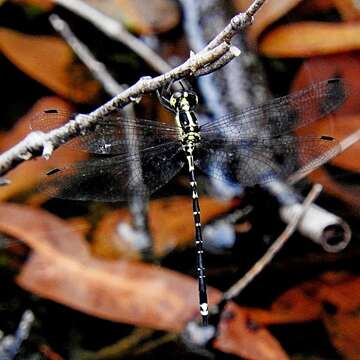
[253, 146]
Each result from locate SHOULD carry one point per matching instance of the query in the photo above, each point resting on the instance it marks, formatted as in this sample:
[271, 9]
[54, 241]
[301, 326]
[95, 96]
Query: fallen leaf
[295, 305]
[311, 7]
[344, 332]
[50, 61]
[144, 17]
[348, 9]
[62, 269]
[284, 41]
[270, 12]
[80, 224]
[305, 302]
[94, 286]
[171, 225]
[342, 290]
[49, 353]
[349, 194]
[240, 335]
[340, 294]
[45, 5]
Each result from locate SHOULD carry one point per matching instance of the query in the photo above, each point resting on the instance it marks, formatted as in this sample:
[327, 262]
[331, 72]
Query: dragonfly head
[184, 100]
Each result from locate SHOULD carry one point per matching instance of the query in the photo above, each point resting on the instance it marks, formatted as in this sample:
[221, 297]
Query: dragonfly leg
[163, 96]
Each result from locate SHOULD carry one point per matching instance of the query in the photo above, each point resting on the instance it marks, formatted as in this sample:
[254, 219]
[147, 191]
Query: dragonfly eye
[191, 98]
[184, 100]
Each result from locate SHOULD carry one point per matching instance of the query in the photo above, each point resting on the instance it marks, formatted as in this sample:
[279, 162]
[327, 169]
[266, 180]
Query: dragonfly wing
[118, 135]
[116, 178]
[259, 160]
[281, 115]
[113, 135]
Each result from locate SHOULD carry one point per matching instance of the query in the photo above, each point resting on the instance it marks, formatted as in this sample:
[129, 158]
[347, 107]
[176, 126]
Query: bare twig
[139, 233]
[231, 54]
[116, 31]
[274, 248]
[35, 143]
[10, 345]
[96, 67]
[237, 23]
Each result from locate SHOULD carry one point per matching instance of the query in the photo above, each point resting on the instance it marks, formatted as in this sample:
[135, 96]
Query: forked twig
[38, 143]
[116, 31]
[97, 68]
[140, 235]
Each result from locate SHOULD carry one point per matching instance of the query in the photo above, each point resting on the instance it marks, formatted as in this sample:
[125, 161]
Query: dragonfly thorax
[188, 128]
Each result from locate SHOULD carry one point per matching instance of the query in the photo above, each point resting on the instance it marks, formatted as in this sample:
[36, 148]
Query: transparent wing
[114, 135]
[282, 115]
[116, 178]
[259, 160]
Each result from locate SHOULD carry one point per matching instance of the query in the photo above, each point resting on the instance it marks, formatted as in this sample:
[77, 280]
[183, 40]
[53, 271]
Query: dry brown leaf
[129, 292]
[240, 335]
[285, 42]
[144, 17]
[141, 295]
[80, 224]
[268, 14]
[341, 290]
[170, 222]
[28, 174]
[45, 5]
[344, 332]
[310, 7]
[62, 269]
[295, 305]
[298, 304]
[50, 61]
[350, 195]
[348, 9]
[49, 353]
[305, 301]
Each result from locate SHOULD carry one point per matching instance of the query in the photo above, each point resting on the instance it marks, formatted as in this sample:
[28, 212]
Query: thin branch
[116, 31]
[254, 7]
[10, 345]
[238, 22]
[231, 54]
[140, 235]
[274, 248]
[34, 143]
[96, 67]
